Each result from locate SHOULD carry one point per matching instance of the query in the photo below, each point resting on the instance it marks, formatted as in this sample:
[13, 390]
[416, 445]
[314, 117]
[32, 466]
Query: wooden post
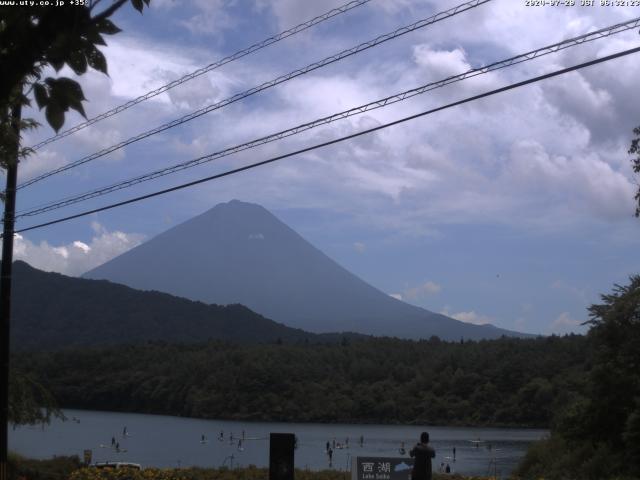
[5, 288]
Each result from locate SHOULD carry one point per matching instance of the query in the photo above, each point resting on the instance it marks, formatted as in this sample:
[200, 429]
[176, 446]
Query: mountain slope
[240, 253]
[51, 311]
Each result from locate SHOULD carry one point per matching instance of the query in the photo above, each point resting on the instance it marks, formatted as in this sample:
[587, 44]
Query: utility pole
[5, 284]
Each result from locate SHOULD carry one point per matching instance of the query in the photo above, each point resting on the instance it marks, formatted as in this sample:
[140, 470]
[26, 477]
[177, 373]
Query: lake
[164, 441]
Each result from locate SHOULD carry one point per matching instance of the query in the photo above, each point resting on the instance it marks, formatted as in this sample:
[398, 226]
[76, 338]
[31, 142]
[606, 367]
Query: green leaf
[55, 116]
[66, 93]
[138, 5]
[71, 88]
[56, 54]
[77, 106]
[107, 27]
[73, 100]
[78, 62]
[97, 60]
[40, 92]
[94, 37]
[57, 64]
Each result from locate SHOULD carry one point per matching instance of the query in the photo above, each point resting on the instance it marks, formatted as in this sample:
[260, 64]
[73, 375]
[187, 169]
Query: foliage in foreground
[35, 39]
[29, 402]
[249, 473]
[635, 163]
[70, 468]
[598, 434]
[57, 468]
[498, 382]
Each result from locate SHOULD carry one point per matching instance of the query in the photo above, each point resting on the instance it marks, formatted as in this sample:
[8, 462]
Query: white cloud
[440, 63]
[468, 317]
[39, 162]
[576, 96]
[314, 96]
[359, 247]
[200, 92]
[87, 140]
[137, 66]
[293, 12]
[164, 4]
[426, 289]
[584, 182]
[564, 323]
[76, 257]
[82, 246]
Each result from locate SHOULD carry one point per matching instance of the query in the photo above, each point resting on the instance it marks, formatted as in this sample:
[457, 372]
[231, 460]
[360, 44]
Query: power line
[281, 79]
[235, 56]
[337, 140]
[604, 32]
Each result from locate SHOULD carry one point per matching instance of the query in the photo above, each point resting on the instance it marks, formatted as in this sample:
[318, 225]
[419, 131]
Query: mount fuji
[239, 252]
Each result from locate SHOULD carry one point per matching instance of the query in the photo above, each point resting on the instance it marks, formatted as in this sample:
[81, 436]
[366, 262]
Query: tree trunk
[5, 289]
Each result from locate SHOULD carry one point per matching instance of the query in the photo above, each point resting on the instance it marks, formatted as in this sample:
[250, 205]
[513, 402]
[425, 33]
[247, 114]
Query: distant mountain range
[51, 311]
[239, 253]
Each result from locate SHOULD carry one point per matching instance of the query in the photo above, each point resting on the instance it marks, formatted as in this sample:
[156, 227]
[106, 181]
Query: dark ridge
[51, 311]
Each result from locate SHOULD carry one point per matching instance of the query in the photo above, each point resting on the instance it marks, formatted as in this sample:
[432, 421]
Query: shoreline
[323, 422]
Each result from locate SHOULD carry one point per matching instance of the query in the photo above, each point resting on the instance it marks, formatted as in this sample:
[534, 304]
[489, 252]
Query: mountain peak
[231, 208]
[237, 205]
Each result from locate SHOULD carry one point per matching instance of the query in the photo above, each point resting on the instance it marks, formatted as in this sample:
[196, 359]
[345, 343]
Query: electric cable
[190, 76]
[604, 32]
[252, 91]
[337, 140]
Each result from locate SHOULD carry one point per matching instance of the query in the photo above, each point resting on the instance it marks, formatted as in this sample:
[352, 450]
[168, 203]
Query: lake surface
[164, 441]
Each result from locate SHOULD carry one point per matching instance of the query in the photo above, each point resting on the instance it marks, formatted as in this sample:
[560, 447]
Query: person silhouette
[423, 453]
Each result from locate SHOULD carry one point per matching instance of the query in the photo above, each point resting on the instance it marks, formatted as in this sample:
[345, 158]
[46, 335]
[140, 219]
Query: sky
[515, 210]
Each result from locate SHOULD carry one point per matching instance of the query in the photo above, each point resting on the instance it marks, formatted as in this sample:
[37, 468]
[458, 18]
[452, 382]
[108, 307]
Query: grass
[63, 468]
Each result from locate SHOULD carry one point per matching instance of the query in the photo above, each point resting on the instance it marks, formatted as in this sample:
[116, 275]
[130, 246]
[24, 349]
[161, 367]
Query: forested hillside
[52, 311]
[495, 382]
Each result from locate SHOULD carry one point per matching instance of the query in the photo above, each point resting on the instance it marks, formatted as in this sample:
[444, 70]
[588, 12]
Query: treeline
[505, 382]
[597, 434]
